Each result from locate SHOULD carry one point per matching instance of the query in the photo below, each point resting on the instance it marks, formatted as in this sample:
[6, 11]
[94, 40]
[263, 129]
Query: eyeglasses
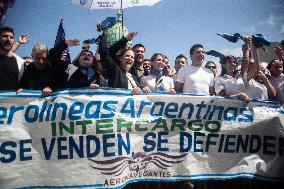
[277, 62]
[86, 54]
[211, 67]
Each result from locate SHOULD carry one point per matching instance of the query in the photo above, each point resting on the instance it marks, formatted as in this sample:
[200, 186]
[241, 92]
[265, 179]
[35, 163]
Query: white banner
[113, 4]
[108, 138]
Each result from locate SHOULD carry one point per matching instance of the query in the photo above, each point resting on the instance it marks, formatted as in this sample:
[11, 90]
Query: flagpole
[121, 9]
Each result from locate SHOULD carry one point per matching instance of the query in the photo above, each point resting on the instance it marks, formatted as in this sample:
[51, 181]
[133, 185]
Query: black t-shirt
[36, 79]
[9, 73]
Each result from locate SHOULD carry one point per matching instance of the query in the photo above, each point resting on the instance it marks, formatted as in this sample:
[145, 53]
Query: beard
[6, 47]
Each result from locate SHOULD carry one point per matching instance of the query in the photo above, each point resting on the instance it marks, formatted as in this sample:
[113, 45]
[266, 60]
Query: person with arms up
[257, 85]
[118, 68]
[11, 65]
[80, 73]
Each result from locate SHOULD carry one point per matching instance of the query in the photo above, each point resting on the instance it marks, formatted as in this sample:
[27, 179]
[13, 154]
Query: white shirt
[254, 89]
[195, 80]
[131, 82]
[21, 65]
[163, 84]
[230, 84]
[278, 84]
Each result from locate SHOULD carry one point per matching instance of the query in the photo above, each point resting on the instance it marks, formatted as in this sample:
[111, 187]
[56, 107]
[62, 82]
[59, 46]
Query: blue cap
[259, 40]
[231, 37]
[108, 22]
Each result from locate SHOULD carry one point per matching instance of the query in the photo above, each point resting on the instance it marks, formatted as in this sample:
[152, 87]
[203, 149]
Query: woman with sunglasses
[80, 73]
[211, 66]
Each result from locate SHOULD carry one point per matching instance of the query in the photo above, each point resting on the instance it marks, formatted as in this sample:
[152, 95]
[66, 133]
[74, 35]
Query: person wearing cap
[157, 81]
[257, 85]
[194, 78]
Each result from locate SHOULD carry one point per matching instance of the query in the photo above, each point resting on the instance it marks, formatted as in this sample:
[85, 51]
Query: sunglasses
[211, 67]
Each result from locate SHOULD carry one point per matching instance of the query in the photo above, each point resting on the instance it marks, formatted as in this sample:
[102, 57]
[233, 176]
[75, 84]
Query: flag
[232, 38]
[216, 54]
[59, 38]
[260, 40]
[113, 4]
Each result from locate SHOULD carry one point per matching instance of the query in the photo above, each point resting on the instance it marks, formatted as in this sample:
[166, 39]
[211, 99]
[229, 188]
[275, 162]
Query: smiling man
[194, 78]
[11, 65]
[137, 69]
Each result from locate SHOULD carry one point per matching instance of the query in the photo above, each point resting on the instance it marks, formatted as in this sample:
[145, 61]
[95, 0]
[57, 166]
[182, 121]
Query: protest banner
[103, 138]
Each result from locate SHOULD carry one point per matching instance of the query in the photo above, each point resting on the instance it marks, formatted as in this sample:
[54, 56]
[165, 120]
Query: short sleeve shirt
[229, 84]
[278, 84]
[195, 80]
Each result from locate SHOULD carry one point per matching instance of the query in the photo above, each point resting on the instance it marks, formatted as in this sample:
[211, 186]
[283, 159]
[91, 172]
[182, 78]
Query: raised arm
[246, 51]
[108, 55]
[85, 47]
[120, 44]
[55, 53]
[23, 39]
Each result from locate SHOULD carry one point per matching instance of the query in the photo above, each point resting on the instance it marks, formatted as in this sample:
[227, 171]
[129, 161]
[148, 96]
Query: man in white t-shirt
[194, 78]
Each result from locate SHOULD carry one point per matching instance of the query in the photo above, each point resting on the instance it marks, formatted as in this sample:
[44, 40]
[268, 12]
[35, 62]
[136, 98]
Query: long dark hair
[226, 59]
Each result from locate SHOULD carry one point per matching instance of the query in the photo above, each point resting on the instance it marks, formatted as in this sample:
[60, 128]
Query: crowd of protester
[120, 67]
[128, 68]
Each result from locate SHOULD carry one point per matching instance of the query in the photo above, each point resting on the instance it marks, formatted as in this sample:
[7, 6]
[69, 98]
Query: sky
[170, 26]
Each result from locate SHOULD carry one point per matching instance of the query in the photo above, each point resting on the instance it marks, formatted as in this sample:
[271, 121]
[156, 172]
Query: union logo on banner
[137, 162]
[83, 2]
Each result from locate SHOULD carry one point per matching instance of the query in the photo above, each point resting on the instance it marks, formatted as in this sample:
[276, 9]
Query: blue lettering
[23, 150]
[129, 102]
[48, 151]
[3, 114]
[162, 141]
[196, 142]
[229, 143]
[73, 111]
[33, 118]
[107, 144]
[121, 144]
[94, 114]
[183, 146]
[148, 142]
[4, 151]
[171, 108]
[109, 108]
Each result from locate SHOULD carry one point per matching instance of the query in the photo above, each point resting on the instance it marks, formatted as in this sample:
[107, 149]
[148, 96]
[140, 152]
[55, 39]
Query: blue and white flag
[113, 4]
[61, 37]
